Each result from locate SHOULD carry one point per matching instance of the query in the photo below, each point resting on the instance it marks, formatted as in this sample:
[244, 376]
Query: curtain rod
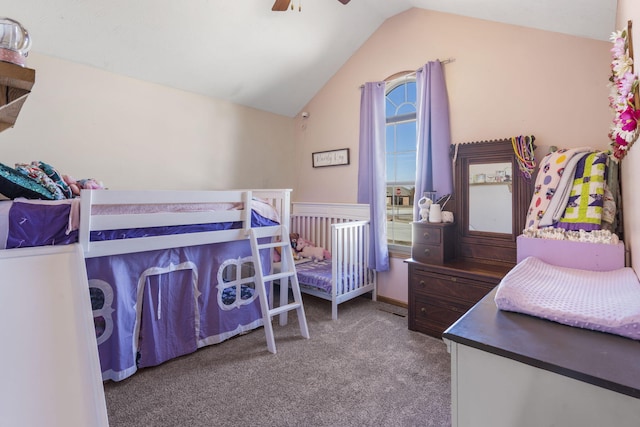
[407, 73]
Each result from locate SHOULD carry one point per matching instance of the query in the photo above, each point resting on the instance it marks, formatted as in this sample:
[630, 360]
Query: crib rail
[344, 230]
[313, 221]
[350, 255]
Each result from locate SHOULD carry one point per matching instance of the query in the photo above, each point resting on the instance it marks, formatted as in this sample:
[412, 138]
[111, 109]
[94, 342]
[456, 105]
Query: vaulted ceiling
[241, 51]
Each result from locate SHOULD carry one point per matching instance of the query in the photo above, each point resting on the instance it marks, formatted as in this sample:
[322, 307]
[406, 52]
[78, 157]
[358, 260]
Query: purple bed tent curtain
[372, 171]
[433, 164]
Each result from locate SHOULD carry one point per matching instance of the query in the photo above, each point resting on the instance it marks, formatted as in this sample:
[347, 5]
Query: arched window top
[401, 101]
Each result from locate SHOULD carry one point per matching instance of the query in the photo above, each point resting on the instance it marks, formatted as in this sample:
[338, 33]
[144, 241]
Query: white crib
[343, 229]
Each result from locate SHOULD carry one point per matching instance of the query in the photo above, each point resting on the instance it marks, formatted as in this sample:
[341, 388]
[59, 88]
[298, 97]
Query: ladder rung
[284, 308]
[273, 245]
[277, 276]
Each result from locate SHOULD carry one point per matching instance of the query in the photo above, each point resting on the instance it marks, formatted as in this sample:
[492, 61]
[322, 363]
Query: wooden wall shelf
[15, 85]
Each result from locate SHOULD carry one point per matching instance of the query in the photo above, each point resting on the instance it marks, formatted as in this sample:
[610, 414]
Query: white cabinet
[491, 390]
[51, 372]
[515, 370]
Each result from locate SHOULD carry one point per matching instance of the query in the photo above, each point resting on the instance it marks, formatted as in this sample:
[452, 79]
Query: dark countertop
[605, 360]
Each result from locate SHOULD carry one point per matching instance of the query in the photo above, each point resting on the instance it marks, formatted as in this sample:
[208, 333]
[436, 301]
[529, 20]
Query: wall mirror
[490, 190]
[492, 198]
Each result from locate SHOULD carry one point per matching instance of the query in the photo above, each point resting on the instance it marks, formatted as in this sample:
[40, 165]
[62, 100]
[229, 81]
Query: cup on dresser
[447, 216]
[435, 213]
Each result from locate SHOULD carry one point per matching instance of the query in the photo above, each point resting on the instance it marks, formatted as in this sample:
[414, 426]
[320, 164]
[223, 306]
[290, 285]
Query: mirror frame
[482, 245]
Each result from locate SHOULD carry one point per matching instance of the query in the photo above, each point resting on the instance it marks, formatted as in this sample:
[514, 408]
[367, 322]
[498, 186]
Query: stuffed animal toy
[312, 252]
[424, 204]
[307, 249]
[276, 255]
[72, 183]
[81, 184]
[90, 184]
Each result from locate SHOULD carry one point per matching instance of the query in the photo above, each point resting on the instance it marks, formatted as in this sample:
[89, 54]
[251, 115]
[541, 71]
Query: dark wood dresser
[440, 294]
[453, 266]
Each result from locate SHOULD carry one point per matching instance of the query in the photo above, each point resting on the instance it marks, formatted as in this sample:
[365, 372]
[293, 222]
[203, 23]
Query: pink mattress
[606, 301]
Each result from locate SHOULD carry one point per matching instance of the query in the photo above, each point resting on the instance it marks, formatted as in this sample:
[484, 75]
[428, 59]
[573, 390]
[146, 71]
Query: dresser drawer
[429, 254]
[433, 316]
[432, 243]
[439, 294]
[443, 286]
[426, 235]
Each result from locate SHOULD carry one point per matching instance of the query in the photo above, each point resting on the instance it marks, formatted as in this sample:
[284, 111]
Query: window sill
[398, 251]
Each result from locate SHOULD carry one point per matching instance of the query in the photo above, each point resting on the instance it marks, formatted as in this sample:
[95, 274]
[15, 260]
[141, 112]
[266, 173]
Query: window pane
[399, 214]
[391, 141]
[390, 108]
[391, 168]
[397, 96]
[406, 167]
[411, 92]
[406, 109]
[406, 136]
[400, 162]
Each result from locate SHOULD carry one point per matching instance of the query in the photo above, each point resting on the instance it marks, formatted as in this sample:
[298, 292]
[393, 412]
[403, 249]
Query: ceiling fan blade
[344, 1]
[281, 5]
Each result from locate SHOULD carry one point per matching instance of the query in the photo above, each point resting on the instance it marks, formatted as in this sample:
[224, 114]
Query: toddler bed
[343, 229]
[169, 271]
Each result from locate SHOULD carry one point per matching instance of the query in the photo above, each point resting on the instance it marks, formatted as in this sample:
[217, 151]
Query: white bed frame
[74, 396]
[89, 222]
[343, 229]
[279, 199]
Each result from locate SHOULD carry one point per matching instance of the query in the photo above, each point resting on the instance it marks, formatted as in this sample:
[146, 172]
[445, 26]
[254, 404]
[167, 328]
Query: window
[401, 149]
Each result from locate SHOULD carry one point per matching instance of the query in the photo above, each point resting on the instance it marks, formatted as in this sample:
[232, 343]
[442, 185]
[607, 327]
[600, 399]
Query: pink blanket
[606, 301]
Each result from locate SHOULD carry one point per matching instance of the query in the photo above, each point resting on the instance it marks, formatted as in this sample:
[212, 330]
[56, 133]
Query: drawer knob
[427, 252]
[423, 309]
[422, 283]
[425, 235]
[454, 279]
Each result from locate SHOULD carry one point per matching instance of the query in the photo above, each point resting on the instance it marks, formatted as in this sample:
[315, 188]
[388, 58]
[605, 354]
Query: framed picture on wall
[330, 158]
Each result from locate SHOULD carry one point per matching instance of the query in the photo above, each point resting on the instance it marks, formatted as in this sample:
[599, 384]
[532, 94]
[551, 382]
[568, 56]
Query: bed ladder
[288, 272]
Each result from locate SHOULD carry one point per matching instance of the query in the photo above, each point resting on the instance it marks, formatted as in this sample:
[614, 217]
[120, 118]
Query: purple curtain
[372, 171]
[433, 163]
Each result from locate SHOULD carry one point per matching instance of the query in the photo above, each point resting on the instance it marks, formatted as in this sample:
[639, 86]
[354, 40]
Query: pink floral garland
[622, 100]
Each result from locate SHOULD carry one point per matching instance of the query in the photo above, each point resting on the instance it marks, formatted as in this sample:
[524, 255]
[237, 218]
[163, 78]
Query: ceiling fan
[283, 5]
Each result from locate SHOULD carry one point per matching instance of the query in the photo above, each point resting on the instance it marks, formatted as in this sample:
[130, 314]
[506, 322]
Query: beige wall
[630, 165]
[505, 81]
[136, 135]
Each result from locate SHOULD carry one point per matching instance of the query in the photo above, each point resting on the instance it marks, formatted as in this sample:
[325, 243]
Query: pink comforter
[606, 301]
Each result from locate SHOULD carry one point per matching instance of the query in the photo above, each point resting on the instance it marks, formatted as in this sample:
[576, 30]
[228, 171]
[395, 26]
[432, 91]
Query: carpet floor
[364, 369]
